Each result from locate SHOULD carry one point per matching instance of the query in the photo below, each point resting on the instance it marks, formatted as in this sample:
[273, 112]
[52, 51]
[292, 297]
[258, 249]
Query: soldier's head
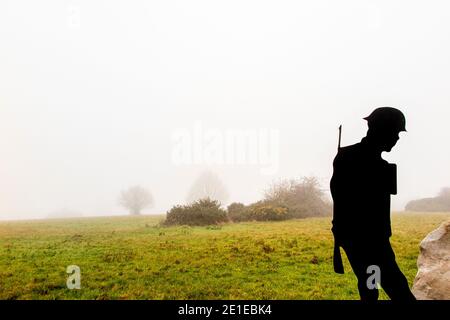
[385, 124]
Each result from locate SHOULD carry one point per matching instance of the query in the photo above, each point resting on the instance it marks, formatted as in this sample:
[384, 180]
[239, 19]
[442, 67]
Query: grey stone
[432, 281]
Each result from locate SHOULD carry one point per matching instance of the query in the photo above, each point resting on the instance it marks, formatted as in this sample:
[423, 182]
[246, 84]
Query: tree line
[282, 200]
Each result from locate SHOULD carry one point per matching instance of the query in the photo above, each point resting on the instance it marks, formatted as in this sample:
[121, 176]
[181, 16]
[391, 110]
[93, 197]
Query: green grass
[134, 258]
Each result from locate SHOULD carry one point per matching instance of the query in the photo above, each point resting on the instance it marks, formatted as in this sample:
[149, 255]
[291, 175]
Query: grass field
[134, 258]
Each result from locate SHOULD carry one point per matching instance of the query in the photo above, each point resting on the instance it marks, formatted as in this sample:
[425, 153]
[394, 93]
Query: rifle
[340, 133]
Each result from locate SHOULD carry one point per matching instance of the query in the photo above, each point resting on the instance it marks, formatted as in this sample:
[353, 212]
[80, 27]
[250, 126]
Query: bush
[237, 212]
[303, 198]
[267, 212]
[199, 213]
[259, 211]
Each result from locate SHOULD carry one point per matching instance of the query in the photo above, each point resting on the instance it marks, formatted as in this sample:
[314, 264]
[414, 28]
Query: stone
[432, 281]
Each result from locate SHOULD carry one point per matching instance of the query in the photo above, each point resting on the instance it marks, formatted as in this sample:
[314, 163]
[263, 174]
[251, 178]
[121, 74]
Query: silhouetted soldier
[361, 186]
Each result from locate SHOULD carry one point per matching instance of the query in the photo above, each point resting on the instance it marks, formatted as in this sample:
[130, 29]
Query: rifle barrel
[340, 133]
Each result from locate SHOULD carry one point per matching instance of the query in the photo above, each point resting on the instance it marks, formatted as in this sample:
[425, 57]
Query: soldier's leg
[360, 260]
[393, 280]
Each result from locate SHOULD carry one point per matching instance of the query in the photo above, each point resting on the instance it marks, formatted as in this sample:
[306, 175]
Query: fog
[97, 96]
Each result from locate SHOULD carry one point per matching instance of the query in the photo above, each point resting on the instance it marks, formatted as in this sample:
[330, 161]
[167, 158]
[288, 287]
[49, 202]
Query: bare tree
[135, 199]
[303, 197]
[208, 185]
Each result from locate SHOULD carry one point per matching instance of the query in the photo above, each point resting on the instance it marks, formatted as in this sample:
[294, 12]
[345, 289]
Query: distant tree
[208, 186]
[135, 199]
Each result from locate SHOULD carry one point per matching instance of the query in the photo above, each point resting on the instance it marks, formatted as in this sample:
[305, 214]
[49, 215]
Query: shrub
[258, 211]
[303, 197]
[199, 213]
[267, 212]
[237, 212]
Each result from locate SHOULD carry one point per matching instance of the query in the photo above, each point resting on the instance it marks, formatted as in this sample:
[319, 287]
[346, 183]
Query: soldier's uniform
[361, 186]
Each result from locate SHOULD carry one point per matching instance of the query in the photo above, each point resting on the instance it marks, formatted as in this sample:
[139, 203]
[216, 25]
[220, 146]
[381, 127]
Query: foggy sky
[91, 93]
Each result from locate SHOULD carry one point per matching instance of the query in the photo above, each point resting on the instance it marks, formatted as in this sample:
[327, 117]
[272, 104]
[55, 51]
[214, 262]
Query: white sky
[91, 93]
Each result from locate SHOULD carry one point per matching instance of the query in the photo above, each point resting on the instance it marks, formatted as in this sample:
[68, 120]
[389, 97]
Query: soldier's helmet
[387, 117]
